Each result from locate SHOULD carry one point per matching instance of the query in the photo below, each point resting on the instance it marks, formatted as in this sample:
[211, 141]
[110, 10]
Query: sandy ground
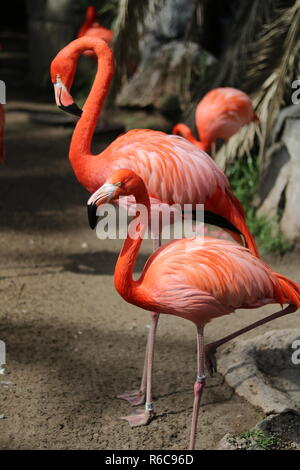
[72, 343]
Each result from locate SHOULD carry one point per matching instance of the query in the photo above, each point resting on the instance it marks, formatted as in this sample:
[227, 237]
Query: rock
[286, 425]
[274, 180]
[166, 60]
[135, 119]
[279, 186]
[290, 221]
[227, 443]
[158, 82]
[261, 371]
[172, 20]
[276, 432]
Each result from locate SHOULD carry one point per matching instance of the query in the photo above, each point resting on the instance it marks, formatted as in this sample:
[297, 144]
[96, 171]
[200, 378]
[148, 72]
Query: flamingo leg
[210, 349]
[137, 397]
[143, 416]
[198, 386]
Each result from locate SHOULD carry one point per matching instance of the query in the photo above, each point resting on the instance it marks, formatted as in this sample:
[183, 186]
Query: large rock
[261, 371]
[275, 432]
[162, 79]
[280, 189]
[158, 81]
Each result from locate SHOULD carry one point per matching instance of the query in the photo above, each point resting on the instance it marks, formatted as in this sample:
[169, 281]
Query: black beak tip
[92, 215]
[72, 109]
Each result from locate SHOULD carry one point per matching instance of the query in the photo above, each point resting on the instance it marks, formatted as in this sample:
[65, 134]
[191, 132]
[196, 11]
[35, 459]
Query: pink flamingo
[92, 28]
[191, 278]
[174, 170]
[220, 114]
[2, 122]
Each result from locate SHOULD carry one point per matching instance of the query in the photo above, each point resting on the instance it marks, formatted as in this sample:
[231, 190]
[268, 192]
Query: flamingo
[2, 122]
[92, 28]
[192, 278]
[220, 114]
[174, 170]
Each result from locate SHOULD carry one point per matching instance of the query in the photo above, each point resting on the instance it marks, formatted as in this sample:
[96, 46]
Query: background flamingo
[191, 278]
[2, 122]
[219, 115]
[174, 170]
[92, 28]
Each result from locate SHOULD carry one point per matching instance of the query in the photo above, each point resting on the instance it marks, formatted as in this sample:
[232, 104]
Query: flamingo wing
[202, 279]
[173, 170]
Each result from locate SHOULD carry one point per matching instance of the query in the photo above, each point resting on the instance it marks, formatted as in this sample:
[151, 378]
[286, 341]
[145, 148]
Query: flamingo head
[62, 75]
[63, 68]
[121, 183]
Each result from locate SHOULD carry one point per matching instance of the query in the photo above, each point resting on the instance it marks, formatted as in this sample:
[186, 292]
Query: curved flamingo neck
[80, 149]
[123, 279]
[90, 18]
[186, 132]
[91, 15]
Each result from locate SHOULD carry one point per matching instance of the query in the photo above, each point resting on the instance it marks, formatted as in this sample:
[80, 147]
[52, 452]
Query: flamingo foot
[140, 417]
[210, 358]
[134, 397]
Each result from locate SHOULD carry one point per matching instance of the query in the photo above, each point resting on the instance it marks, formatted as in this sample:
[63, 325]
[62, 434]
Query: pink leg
[144, 416]
[198, 387]
[137, 397]
[210, 349]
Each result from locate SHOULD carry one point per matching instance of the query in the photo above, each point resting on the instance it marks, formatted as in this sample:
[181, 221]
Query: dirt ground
[72, 343]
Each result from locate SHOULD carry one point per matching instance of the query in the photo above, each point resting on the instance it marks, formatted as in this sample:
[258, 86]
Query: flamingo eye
[119, 184]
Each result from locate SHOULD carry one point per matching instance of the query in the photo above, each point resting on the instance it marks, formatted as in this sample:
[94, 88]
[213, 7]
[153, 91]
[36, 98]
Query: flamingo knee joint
[149, 406]
[200, 379]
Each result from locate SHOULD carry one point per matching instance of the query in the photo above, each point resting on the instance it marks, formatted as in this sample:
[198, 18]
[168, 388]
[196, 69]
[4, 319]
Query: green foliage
[243, 175]
[268, 234]
[263, 441]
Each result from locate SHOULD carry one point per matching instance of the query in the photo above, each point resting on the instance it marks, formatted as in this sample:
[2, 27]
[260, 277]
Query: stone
[261, 371]
[285, 425]
[162, 79]
[159, 83]
[279, 190]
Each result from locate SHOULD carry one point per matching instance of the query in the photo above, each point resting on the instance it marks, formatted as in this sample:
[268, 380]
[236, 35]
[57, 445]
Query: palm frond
[273, 62]
[284, 73]
[232, 67]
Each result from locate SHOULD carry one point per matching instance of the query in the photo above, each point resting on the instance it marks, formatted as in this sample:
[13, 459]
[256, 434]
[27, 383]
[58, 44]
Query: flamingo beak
[92, 215]
[100, 197]
[64, 100]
